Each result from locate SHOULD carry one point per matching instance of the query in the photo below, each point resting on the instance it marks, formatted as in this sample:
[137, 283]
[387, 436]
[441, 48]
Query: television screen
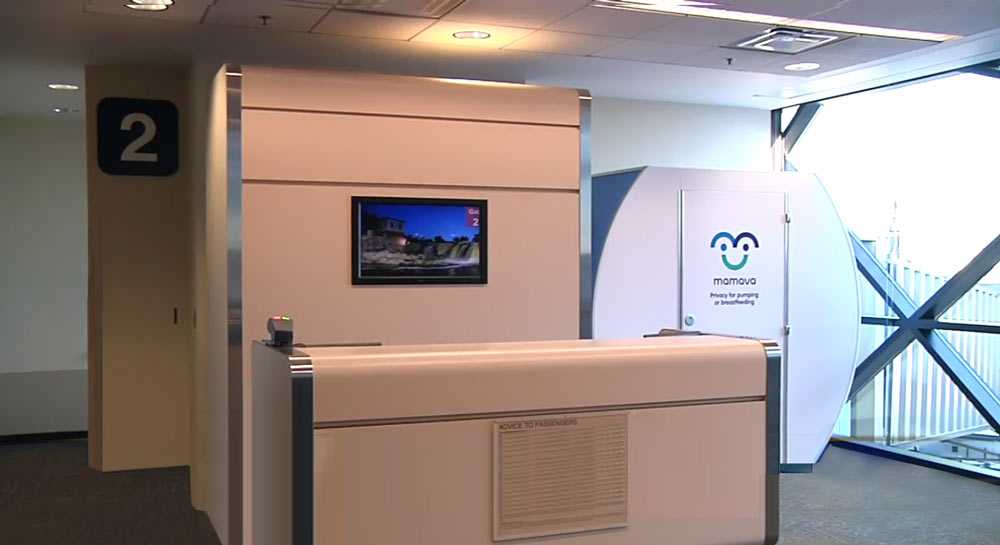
[418, 241]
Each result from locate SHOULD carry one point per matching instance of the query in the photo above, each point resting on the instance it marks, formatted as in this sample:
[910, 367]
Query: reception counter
[654, 441]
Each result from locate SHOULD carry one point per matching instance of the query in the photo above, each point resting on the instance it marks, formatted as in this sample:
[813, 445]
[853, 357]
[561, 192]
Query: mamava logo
[734, 242]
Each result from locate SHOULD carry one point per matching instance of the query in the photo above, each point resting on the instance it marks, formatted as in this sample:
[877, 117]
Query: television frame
[358, 280]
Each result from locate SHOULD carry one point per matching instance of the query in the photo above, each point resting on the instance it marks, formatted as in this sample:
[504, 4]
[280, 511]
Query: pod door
[733, 263]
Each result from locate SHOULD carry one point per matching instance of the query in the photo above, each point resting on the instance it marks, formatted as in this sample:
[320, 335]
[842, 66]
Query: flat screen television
[418, 241]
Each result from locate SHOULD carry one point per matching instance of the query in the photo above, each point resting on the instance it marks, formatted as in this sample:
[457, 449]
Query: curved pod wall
[637, 223]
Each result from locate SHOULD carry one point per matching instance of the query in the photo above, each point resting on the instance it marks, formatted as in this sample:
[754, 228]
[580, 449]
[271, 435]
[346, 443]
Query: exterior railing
[913, 399]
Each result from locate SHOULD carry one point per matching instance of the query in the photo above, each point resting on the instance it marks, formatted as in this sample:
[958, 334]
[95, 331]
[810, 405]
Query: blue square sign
[137, 137]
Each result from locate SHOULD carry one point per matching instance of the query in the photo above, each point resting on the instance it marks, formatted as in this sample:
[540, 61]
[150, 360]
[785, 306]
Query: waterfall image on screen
[404, 241]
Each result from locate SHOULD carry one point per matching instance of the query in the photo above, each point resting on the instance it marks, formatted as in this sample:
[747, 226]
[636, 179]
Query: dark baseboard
[917, 458]
[29, 438]
[796, 468]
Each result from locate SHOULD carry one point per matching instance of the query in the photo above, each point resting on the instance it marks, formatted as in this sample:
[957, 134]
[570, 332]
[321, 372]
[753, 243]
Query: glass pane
[982, 351]
[980, 305]
[913, 405]
[912, 171]
[787, 115]
[873, 304]
[871, 337]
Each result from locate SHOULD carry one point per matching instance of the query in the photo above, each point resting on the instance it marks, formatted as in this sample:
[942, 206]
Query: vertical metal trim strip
[780, 164]
[234, 281]
[785, 334]
[586, 232]
[303, 466]
[772, 458]
[680, 259]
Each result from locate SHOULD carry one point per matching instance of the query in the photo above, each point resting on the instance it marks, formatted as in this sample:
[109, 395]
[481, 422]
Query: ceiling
[557, 42]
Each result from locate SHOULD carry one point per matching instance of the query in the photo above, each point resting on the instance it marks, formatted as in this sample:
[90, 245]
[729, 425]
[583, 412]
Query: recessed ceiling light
[698, 9]
[471, 35]
[149, 5]
[64, 87]
[802, 66]
[482, 83]
[60, 110]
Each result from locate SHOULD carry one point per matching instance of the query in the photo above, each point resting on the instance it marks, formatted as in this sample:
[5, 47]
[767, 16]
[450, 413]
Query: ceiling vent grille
[434, 9]
[788, 41]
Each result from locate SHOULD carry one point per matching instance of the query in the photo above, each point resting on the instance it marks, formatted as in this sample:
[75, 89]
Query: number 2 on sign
[472, 217]
[131, 152]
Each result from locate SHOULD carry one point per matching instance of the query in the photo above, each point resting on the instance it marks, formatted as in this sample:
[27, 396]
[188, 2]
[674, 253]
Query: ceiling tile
[366, 25]
[852, 52]
[609, 22]
[442, 32]
[759, 62]
[281, 15]
[191, 10]
[431, 9]
[962, 17]
[781, 8]
[866, 48]
[733, 59]
[563, 43]
[635, 50]
[826, 65]
[516, 13]
[702, 31]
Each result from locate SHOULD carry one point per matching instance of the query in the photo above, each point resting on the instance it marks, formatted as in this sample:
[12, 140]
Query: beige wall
[43, 276]
[305, 155]
[297, 255]
[139, 359]
[314, 139]
[633, 133]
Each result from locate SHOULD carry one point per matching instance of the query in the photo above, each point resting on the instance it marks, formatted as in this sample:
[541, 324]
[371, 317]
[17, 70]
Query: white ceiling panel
[365, 25]
[733, 59]
[281, 14]
[701, 31]
[563, 43]
[782, 8]
[187, 10]
[609, 22]
[442, 33]
[962, 17]
[516, 13]
[866, 48]
[636, 50]
[852, 52]
[433, 9]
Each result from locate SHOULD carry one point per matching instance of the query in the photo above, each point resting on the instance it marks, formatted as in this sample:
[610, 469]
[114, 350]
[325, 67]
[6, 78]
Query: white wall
[632, 133]
[210, 484]
[43, 276]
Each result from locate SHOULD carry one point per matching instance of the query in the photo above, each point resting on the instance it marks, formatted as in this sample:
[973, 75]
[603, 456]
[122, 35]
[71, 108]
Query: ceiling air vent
[414, 8]
[789, 41]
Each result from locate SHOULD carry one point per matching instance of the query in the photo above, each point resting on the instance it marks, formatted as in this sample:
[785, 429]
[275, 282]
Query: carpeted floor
[49, 496]
[858, 499]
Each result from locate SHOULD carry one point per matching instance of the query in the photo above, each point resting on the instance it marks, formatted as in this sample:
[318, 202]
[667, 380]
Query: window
[913, 174]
